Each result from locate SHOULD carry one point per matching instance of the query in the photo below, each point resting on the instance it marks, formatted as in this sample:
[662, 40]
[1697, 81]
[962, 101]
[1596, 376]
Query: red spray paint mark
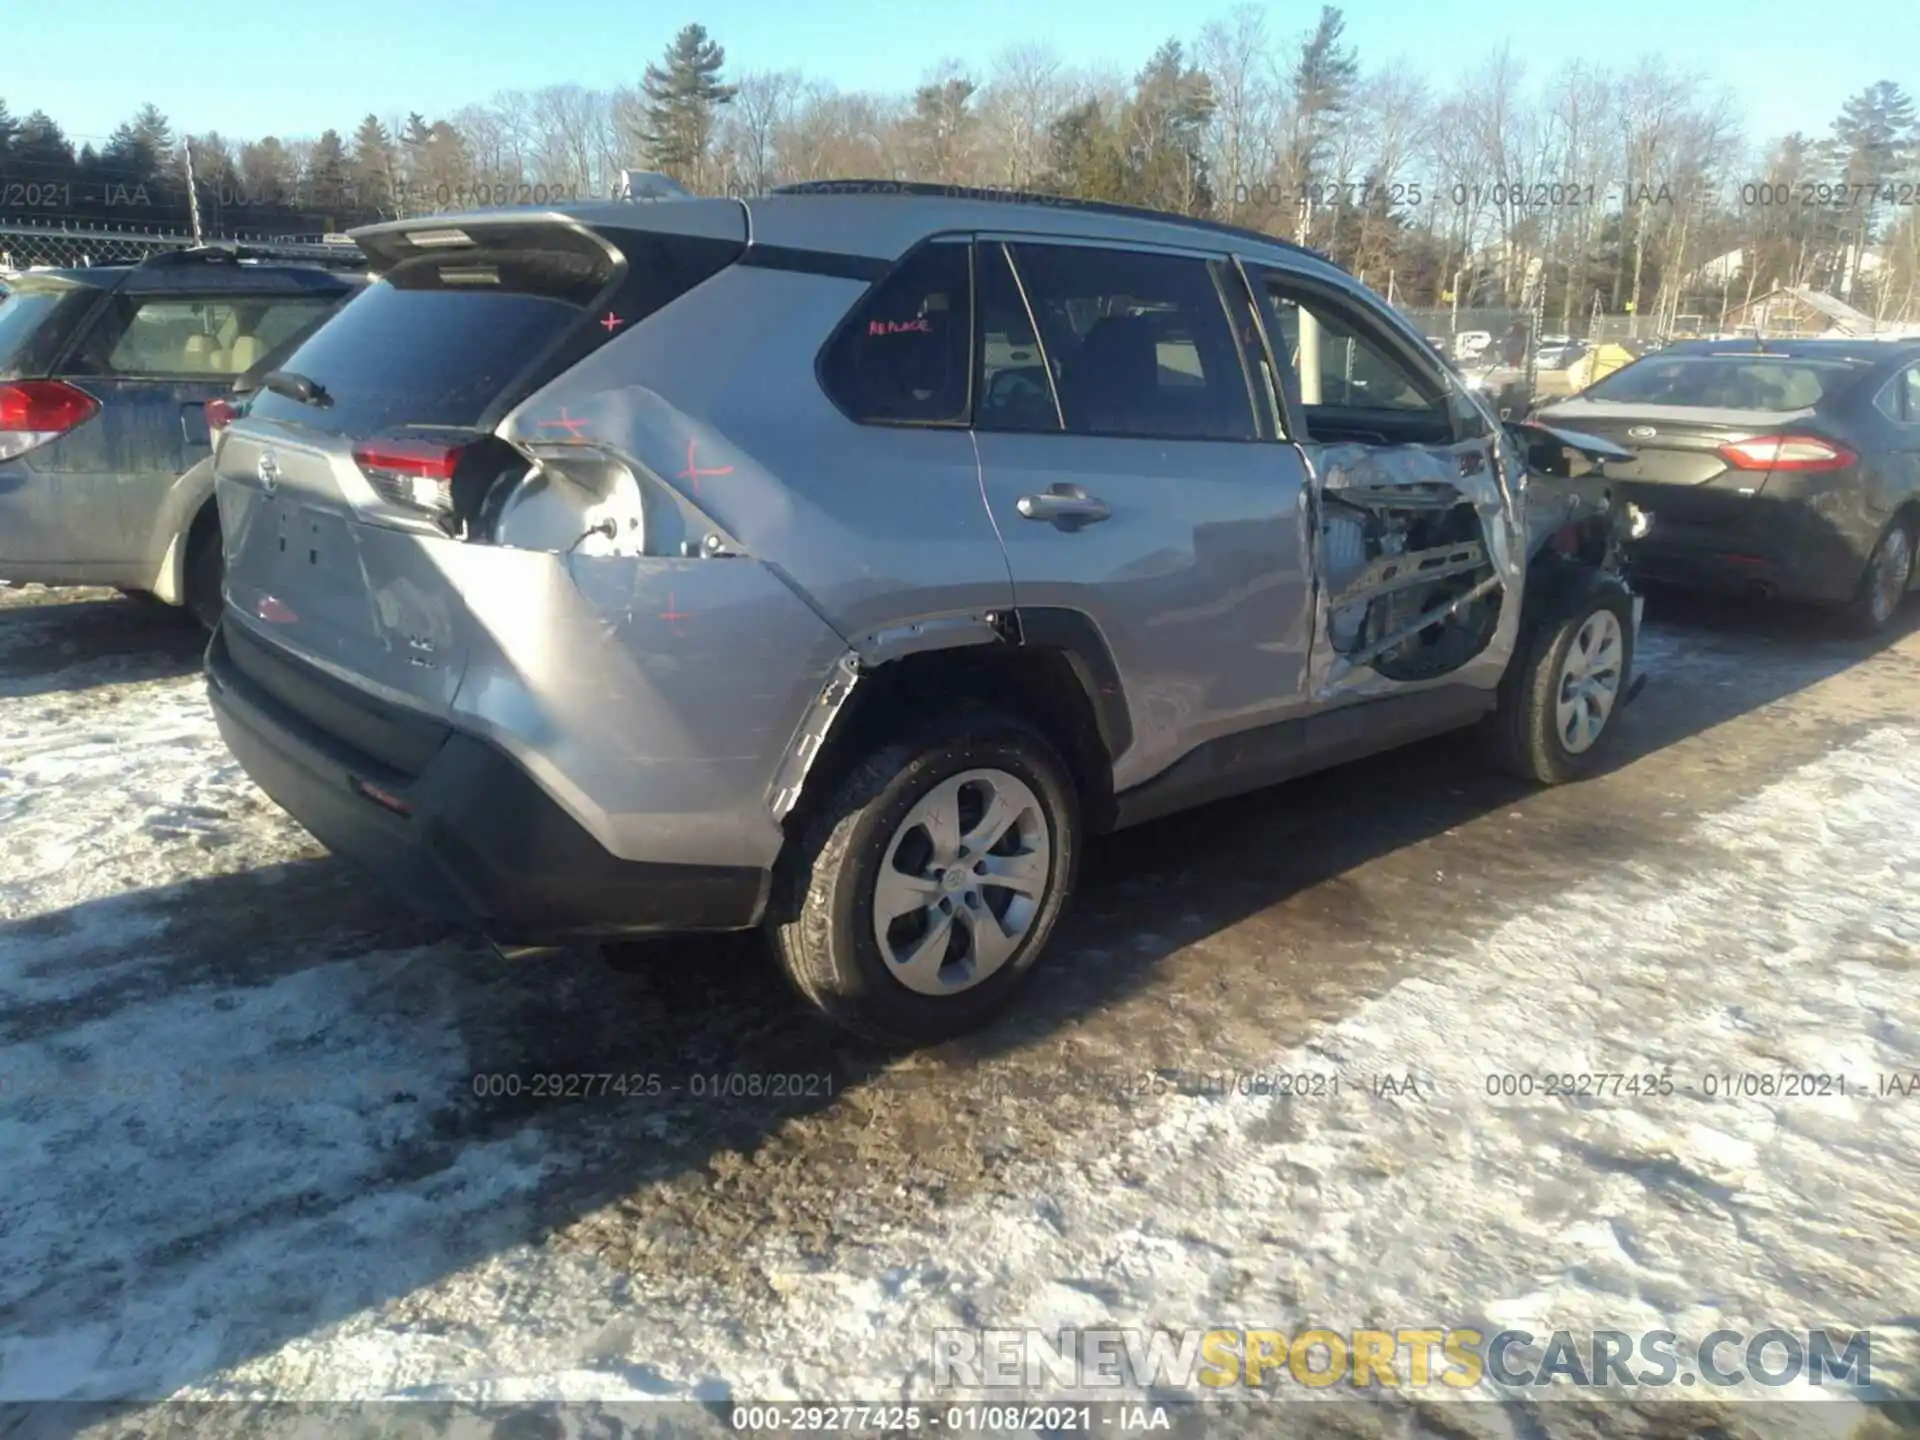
[567, 422]
[612, 323]
[673, 615]
[693, 472]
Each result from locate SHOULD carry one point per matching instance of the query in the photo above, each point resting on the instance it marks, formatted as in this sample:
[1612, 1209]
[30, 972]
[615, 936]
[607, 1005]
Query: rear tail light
[221, 414]
[32, 412]
[1787, 452]
[414, 473]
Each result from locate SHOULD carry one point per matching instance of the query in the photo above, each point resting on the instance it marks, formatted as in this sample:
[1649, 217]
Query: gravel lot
[246, 1157]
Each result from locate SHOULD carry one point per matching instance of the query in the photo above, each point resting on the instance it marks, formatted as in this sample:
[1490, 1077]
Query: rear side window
[218, 338]
[32, 325]
[1139, 344]
[902, 356]
[1723, 382]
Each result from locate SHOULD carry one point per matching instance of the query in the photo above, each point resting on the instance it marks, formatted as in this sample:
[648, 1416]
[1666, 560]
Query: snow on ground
[234, 1169]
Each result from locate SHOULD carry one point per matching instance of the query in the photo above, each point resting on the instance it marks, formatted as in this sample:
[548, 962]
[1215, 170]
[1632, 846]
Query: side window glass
[1138, 344]
[902, 356]
[1016, 389]
[1894, 401]
[1913, 395]
[1352, 386]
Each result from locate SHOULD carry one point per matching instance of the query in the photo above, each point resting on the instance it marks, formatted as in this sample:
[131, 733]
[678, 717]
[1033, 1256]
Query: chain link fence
[29, 247]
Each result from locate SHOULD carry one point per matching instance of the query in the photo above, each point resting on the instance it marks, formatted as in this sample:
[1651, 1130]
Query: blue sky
[271, 67]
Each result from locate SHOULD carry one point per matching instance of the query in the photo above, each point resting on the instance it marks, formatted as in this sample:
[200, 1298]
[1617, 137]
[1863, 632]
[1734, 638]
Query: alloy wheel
[1589, 681]
[962, 881]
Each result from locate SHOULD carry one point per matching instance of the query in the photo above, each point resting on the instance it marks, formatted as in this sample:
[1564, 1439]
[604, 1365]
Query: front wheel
[1562, 691]
[927, 887]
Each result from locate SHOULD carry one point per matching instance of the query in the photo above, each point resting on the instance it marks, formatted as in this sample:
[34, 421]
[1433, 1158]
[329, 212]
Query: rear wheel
[929, 884]
[1883, 585]
[201, 572]
[1562, 691]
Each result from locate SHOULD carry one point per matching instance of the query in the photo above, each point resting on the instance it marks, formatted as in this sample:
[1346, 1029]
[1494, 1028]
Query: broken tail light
[32, 412]
[220, 414]
[1787, 452]
[417, 474]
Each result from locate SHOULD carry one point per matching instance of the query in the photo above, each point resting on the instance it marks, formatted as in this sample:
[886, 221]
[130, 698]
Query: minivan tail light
[32, 412]
[415, 473]
[1786, 452]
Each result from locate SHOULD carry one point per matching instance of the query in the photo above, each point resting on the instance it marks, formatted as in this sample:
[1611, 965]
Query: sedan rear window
[1724, 382]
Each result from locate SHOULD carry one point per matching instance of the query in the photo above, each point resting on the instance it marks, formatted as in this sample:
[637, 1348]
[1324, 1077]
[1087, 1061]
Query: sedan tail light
[1787, 452]
[414, 473]
[32, 412]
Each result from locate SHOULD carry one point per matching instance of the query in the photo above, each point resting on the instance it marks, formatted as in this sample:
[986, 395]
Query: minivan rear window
[450, 332]
[1724, 382]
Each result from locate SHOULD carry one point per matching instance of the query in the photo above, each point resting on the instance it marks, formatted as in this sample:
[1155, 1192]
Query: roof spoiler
[345, 256]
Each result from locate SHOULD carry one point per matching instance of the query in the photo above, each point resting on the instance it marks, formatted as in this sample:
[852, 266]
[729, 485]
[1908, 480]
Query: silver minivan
[838, 561]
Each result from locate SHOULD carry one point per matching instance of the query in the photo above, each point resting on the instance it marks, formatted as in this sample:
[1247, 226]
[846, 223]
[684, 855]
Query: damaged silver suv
[837, 561]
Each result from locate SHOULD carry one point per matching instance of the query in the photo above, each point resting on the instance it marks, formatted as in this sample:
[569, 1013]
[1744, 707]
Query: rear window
[442, 337]
[1724, 382]
[27, 338]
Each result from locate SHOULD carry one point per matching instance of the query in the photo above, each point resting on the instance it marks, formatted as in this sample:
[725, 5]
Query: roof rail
[928, 190]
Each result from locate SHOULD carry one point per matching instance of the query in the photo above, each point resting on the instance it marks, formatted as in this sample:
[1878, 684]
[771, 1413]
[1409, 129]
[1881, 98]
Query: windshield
[1724, 382]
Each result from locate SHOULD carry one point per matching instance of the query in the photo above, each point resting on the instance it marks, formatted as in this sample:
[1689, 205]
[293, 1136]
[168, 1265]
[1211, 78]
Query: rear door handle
[1065, 505]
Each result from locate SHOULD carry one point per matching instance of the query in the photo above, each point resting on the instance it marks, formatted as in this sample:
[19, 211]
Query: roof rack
[348, 256]
[928, 190]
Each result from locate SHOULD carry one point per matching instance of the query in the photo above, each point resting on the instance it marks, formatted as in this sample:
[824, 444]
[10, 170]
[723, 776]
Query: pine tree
[371, 170]
[8, 125]
[1323, 79]
[683, 92]
[1164, 127]
[39, 142]
[1084, 157]
[327, 172]
[939, 131]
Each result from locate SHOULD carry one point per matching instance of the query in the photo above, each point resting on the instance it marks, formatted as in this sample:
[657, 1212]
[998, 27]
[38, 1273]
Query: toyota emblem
[1642, 432]
[269, 472]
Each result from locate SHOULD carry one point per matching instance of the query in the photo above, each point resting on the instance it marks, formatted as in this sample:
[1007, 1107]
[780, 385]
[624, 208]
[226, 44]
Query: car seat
[1112, 382]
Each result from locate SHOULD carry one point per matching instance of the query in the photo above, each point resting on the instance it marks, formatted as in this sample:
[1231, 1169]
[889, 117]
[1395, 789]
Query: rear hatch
[1707, 430]
[338, 482]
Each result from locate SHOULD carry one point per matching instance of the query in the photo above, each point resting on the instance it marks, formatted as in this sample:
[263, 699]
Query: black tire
[202, 571]
[824, 935]
[1523, 735]
[1863, 615]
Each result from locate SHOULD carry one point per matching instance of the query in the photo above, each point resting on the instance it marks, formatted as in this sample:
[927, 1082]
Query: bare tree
[1237, 55]
[762, 108]
[1025, 92]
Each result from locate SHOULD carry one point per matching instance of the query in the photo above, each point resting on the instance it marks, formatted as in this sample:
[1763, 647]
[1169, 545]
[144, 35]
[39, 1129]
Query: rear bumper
[480, 843]
[1738, 544]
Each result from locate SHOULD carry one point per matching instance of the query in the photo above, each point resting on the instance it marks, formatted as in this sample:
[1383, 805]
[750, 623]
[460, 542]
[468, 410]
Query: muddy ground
[251, 1153]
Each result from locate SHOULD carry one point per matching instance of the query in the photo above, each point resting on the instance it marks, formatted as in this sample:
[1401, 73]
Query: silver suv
[837, 561]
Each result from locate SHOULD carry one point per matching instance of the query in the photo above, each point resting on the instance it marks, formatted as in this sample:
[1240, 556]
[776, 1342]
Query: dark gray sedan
[1788, 468]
